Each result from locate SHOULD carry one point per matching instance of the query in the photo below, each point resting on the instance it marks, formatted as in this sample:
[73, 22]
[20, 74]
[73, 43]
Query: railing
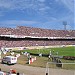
[53, 68]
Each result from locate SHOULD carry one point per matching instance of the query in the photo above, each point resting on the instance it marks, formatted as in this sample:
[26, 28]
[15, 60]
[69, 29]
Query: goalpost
[52, 68]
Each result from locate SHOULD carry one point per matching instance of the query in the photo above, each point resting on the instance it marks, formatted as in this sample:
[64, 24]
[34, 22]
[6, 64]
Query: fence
[53, 68]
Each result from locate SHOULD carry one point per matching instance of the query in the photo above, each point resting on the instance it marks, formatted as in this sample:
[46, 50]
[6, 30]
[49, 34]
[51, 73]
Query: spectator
[59, 63]
[49, 57]
[18, 73]
[0, 69]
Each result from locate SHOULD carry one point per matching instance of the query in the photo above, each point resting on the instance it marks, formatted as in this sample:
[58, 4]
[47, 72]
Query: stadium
[22, 37]
[28, 36]
[29, 39]
[37, 37]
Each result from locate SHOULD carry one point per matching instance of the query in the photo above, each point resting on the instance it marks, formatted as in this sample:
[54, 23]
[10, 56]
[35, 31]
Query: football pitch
[41, 61]
[62, 51]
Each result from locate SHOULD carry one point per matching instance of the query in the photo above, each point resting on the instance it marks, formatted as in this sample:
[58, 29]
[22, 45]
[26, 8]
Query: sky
[47, 14]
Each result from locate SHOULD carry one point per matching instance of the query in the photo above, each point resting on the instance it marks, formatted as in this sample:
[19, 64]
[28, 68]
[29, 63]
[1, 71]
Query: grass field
[41, 61]
[62, 51]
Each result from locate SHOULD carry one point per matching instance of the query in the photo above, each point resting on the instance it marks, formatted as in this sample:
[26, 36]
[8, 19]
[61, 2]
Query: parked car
[9, 60]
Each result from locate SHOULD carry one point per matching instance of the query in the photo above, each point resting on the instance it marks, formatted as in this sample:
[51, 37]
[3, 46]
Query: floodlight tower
[65, 24]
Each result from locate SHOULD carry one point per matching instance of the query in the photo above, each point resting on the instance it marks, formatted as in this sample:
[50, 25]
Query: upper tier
[37, 32]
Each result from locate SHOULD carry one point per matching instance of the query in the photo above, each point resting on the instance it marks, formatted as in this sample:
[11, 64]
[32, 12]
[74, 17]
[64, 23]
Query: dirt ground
[29, 70]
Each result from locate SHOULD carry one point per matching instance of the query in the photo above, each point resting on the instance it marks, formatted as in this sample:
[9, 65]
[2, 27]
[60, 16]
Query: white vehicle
[2, 73]
[9, 60]
[12, 74]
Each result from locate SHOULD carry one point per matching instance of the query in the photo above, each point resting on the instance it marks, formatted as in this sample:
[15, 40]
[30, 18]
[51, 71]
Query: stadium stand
[22, 36]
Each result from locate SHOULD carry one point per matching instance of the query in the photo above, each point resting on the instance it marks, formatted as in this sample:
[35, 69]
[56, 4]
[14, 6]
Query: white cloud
[69, 27]
[21, 5]
[44, 8]
[69, 4]
[56, 0]
[5, 4]
[17, 22]
[32, 4]
[41, 0]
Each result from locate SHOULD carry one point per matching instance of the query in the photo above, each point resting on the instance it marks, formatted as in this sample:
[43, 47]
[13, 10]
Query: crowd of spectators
[37, 32]
[25, 43]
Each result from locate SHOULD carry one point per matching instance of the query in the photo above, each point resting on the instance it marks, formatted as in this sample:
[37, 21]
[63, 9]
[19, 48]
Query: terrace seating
[37, 32]
[25, 43]
[29, 31]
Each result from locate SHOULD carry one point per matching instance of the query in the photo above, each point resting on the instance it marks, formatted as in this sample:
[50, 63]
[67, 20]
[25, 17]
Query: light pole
[65, 24]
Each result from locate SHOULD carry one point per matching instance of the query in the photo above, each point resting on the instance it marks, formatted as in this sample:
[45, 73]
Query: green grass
[41, 61]
[62, 51]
